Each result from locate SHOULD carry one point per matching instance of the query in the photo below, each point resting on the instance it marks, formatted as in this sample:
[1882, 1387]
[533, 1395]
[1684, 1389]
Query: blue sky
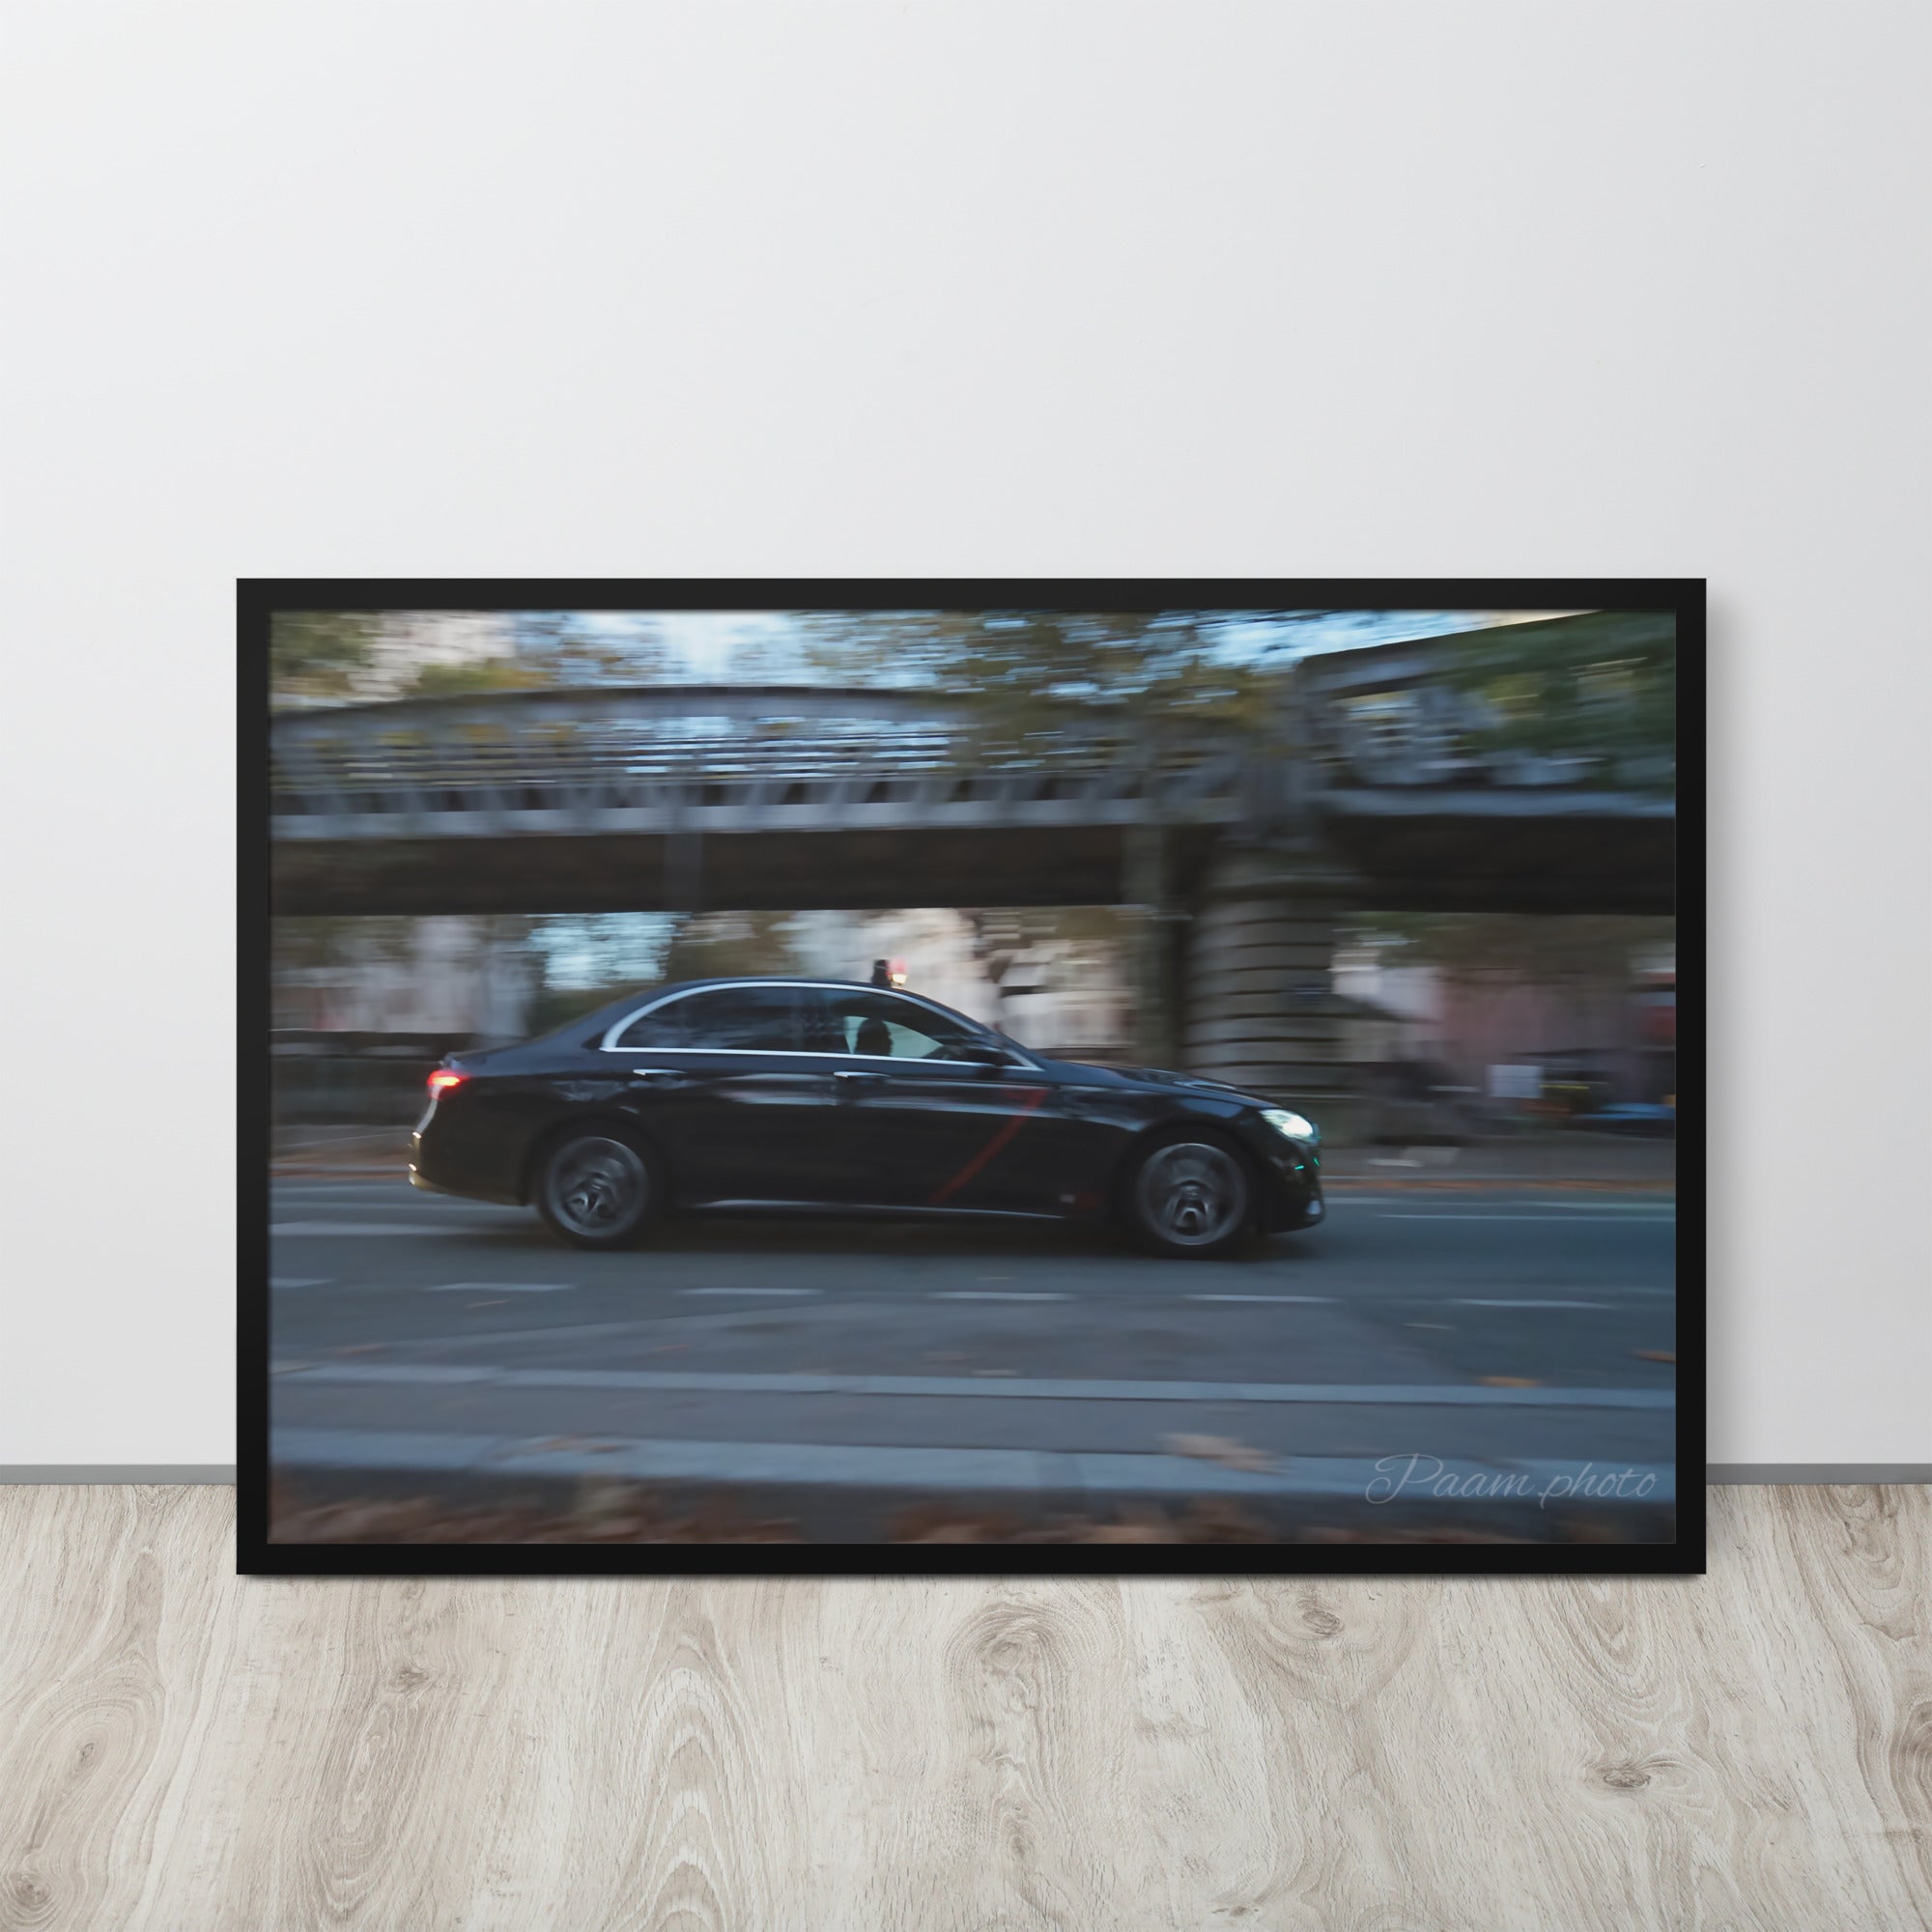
[712, 641]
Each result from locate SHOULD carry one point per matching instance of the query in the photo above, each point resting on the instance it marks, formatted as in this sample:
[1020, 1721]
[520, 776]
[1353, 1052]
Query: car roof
[771, 979]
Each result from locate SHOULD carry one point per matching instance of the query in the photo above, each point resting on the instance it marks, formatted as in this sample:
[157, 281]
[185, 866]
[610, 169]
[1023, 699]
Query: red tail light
[442, 1080]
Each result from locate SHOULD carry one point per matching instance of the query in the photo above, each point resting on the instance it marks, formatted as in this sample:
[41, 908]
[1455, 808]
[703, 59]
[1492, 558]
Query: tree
[1024, 673]
[713, 946]
[317, 654]
[552, 648]
[348, 656]
[1586, 952]
[1601, 683]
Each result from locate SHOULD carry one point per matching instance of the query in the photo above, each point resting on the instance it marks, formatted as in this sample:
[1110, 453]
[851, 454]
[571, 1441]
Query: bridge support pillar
[1155, 945]
[1259, 1007]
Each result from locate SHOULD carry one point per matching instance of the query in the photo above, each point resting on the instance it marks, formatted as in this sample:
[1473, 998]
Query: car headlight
[1292, 1125]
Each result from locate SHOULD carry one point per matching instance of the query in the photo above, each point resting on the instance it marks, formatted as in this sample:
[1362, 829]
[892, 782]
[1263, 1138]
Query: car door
[913, 1123]
[719, 1080]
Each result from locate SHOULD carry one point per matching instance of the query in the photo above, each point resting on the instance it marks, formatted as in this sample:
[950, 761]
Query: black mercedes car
[802, 1094]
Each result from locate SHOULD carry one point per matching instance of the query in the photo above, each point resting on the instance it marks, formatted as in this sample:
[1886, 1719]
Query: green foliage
[554, 1007]
[1030, 671]
[1541, 948]
[710, 946]
[317, 654]
[479, 675]
[552, 648]
[347, 656]
[1603, 683]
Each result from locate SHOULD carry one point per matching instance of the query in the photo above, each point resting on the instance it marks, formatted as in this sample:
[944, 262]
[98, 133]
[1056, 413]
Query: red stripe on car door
[1006, 1130]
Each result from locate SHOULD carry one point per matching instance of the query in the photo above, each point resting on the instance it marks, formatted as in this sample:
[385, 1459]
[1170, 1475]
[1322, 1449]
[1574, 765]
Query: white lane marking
[750, 1290]
[1261, 1297]
[1427, 1395]
[1661, 1210]
[499, 1287]
[397, 1189]
[1550, 1203]
[992, 1295]
[299, 1281]
[1548, 1220]
[1471, 1302]
[371, 1229]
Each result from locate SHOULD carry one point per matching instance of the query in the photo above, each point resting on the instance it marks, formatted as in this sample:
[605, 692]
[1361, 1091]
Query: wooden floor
[186, 1751]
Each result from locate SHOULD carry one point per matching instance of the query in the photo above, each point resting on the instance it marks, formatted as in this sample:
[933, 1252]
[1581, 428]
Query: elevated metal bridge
[789, 797]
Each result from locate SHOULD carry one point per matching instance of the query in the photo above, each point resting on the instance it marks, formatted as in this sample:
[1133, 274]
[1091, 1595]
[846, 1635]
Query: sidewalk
[1570, 1160]
[840, 1493]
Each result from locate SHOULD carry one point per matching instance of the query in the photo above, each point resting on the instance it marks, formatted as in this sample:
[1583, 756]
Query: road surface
[1491, 1329]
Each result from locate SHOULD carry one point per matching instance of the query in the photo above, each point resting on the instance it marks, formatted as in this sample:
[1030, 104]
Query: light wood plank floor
[184, 1750]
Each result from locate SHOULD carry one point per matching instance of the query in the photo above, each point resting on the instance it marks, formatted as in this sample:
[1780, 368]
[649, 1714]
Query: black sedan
[803, 1094]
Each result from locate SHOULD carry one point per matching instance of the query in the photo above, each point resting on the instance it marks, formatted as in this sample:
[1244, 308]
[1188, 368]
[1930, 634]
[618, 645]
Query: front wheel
[595, 1191]
[1190, 1197]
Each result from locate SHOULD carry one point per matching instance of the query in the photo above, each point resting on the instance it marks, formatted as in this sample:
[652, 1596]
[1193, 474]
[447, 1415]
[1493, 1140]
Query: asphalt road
[1513, 1329]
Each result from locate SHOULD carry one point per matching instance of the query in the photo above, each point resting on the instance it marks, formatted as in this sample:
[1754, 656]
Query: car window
[664, 1028]
[737, 1019]
[882, 1027]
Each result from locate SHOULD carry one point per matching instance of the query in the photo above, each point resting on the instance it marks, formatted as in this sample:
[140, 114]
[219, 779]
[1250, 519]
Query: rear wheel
[1190, 1196]
[595, 1190]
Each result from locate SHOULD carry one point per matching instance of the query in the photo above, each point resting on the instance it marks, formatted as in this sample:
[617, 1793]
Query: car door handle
[661, 1076]
[859, 1079]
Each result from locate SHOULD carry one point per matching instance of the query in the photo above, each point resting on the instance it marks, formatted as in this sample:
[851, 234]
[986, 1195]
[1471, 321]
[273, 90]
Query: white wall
[975, 286]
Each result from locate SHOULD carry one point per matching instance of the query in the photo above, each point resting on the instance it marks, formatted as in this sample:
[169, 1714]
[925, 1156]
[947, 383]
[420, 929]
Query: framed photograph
[916, 1077]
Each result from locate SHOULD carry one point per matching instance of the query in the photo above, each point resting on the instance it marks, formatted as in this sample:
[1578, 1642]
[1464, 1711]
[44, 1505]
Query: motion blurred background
[1411, 869]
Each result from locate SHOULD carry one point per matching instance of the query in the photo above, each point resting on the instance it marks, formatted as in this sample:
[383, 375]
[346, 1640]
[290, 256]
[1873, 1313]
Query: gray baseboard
[1728, 1474]
[1750, 1474]
[161, 1474]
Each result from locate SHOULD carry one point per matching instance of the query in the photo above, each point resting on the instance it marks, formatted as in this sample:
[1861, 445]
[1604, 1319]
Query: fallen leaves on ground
[1509, 1382]
[1655, 1355]
[1408, 1536]
[610, 1511]
[604, 1512]
[1204, 1519]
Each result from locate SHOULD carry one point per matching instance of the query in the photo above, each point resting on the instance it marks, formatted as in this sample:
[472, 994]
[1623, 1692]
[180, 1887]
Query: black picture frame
[258, 598]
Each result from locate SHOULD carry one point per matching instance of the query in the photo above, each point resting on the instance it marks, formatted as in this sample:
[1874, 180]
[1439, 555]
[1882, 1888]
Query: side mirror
[983, 1053]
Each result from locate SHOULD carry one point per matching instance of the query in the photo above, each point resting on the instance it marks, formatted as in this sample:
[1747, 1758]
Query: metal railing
[726, 758]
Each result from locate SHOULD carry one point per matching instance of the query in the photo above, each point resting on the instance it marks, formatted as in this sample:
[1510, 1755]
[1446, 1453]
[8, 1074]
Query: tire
[1189, 1196]
[597, 1188]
